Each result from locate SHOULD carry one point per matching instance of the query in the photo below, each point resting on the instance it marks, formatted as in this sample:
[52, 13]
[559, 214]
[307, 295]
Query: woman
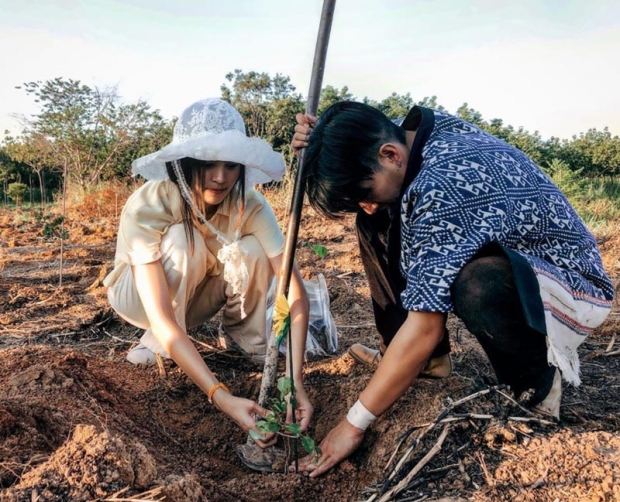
[197, 238]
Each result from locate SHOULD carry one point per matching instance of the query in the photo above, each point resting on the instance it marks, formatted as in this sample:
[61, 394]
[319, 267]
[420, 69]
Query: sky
[551, 66]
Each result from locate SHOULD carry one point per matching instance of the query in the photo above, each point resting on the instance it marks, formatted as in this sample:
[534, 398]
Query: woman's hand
[303, 410]
[303, 129]
[243, 412]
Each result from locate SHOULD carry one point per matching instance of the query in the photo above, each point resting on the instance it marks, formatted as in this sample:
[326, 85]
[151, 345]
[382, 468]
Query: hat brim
[262, 163]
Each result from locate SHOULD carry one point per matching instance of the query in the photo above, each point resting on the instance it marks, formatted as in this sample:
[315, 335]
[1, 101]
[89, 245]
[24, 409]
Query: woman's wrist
[218, 395]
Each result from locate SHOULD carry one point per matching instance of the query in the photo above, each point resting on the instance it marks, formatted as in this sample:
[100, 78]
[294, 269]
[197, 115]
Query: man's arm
[404, 359]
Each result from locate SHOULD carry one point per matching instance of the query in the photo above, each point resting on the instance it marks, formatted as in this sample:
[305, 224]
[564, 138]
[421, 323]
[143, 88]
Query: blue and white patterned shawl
[473, 189]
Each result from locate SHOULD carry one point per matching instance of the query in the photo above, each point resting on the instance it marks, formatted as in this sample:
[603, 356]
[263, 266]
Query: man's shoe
[550, 405]
[140, 354]
[365, 355]
[438, 367]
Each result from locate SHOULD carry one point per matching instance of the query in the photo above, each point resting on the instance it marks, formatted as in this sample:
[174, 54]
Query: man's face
[385, 186]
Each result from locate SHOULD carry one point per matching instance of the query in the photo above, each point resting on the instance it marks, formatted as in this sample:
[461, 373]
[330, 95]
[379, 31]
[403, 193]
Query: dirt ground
[78, 422]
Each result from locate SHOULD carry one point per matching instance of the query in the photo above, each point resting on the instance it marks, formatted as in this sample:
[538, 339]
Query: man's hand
[341, 441]
[303, 410]
[243, 412]
[303, 129]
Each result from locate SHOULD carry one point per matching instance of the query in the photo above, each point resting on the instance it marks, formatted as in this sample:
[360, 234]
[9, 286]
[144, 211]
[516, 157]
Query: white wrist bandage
[359, 416]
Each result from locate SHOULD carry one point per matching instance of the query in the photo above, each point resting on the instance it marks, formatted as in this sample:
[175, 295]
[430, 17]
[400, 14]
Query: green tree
[331, 95]
[431, 103]
[11, 170]
[6, 172]
[88, 127]
[598, 150]
[568, 180]
[470, 115]
[17, 192]
[35, 151]
[396, 105]
[267, 104]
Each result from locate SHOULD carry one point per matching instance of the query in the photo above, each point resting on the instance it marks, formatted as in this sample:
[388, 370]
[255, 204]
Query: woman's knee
[256, 259]
[176, 247]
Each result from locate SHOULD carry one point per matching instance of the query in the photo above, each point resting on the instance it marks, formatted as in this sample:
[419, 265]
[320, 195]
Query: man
[453, 219]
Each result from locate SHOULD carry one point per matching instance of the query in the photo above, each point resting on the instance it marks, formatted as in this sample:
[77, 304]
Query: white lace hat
[212, 129]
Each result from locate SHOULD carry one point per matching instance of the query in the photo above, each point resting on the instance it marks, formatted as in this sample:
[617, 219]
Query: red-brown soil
[77, 422]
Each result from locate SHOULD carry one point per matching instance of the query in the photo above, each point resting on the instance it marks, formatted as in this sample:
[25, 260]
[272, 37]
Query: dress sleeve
[145, 218]
[262, 223]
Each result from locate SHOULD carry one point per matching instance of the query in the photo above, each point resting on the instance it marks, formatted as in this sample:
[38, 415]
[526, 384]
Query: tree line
[89, 135]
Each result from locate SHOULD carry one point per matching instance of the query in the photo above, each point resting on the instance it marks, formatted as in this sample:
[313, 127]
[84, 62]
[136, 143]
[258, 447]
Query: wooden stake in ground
[314, 93]
[271, 360]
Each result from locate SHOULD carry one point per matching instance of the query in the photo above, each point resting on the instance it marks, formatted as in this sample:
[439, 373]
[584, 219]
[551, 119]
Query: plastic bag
[322, 337]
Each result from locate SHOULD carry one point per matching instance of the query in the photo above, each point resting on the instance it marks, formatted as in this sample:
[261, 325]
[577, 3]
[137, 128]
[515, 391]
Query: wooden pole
[314, 93]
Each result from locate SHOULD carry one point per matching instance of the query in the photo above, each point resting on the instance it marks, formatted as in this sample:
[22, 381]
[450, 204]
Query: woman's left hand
[303, 410]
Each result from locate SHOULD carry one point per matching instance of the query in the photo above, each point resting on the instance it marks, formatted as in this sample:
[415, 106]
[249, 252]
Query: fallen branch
[483, 465]
[147, 496]
[402, 439]
[121, 340]
[441, 418]
[513, 401]
[205, 345]
[611, 343]
[417, 468]
[536, 420]
[447, 420]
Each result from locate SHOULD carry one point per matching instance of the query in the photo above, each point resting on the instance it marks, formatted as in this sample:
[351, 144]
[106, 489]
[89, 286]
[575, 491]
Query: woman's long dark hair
[193, 170]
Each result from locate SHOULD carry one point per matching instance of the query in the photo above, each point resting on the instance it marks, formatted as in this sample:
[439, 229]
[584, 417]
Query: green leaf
[293, 428]
[279, 406]
[256, 435]
[321, 251]
[262, 425]
[273, 427]
[272, 419]
[309, 445]
[284, 386]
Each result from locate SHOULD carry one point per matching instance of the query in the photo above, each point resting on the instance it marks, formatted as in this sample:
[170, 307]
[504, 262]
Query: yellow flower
[281, 318]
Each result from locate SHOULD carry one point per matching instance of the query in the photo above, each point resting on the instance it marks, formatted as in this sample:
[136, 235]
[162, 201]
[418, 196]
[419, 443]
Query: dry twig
[611, 343]
[438, 420]
[160, 366]
[417, 468]
[536, 420]
[487, 476]
[441, 418]
[148, 496]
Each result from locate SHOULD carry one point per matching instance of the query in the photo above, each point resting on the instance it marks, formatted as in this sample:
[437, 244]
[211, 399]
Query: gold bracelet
[214, 388]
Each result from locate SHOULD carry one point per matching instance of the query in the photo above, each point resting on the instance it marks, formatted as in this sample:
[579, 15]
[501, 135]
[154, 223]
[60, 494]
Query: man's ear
[390, 152]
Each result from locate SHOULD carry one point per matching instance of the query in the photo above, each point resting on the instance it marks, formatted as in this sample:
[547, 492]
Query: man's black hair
[342, 152]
